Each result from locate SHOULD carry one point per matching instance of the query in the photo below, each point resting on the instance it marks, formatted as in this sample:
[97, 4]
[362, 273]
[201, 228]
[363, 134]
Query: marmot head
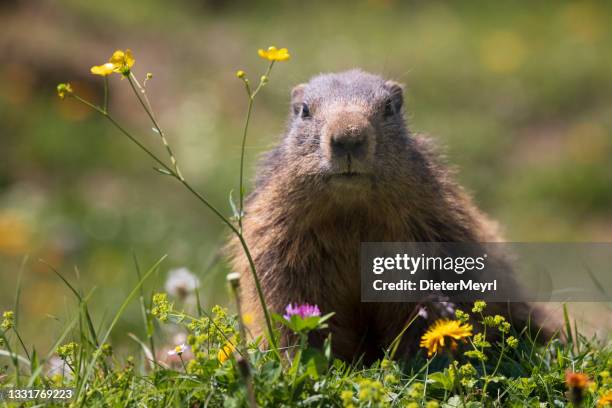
[346, 136]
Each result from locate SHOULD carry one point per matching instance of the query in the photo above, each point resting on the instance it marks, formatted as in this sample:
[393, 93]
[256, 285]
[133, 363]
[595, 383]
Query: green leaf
[441, 380]
[315, 362]
[235, 212]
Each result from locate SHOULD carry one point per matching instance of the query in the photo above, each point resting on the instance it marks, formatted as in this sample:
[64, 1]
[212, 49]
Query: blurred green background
[520, 94]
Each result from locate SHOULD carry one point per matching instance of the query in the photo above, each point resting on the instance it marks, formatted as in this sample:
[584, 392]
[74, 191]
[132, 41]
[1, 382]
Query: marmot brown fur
[349, 171]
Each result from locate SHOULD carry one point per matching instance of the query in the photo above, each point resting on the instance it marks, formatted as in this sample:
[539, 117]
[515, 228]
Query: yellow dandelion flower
[225, 352]
[433, 339]
[104, 69]
[122, 61]
[605, 400]
[63, 90]
[274, 54]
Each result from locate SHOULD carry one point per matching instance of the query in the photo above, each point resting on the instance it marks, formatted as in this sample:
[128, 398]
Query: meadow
[523, 109]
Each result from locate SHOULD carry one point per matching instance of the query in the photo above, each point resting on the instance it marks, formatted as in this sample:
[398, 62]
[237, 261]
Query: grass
[214, 370]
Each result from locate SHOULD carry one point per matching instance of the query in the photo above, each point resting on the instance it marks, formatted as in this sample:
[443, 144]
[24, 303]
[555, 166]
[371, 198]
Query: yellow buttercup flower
[63, 90]
[274, 54]
[248, 319]
[433, 340]
[104, 69]
[225, 352]
[122, 61]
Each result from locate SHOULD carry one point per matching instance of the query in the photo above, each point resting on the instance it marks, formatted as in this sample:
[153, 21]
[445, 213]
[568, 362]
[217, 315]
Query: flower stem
[146, 105]
[244, 136]
[105, 106]
[176, 174]
[247, 252]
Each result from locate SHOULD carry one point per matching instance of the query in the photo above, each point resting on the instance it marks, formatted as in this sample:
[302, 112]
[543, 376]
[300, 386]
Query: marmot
[348, 171]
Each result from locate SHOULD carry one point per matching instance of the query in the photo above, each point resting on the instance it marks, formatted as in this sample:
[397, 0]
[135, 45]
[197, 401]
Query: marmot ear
[297, 97]
[397, 94]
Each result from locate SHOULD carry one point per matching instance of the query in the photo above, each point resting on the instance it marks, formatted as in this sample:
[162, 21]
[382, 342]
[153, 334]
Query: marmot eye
[389, 110]
[305, 111]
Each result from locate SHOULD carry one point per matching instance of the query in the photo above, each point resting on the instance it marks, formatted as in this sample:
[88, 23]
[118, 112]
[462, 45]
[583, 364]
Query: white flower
[233, 277]
[178, 350]
[181, 283]
[422, 312]
[56, 365]
[448, 307]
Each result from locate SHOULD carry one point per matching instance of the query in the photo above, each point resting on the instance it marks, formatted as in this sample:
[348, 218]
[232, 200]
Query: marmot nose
[352, 142]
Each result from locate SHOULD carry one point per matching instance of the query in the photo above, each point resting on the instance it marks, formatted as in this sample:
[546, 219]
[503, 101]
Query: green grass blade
[98, 351]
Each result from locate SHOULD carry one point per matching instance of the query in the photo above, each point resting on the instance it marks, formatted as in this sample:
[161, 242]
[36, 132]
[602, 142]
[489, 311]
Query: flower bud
[234, 279]
[63, 90]
[240, 74]
[264, 79]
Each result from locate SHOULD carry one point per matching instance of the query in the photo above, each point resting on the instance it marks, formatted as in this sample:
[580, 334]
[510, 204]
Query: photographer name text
[430, 285]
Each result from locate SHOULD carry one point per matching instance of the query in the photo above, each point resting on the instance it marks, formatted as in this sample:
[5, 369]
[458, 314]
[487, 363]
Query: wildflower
[576, 380]
[63, 90]
[480, 341]
[103, 70]
[274, 54]
[447, 307]
[178, 350]
[123, 61]
[385, 364]
[576, 383]
[499, 319]
[416, 390]
[390, 379]
[433, 339]
[248, 319]
[479, 306]
[462, 316]
[8, 320]
[240, 74]
[477, 354]
[467, 370]
[605, 400]
[371, 391]
[347, 398]
[107, 349]
[57, 366]
[504, 327]
[512, 342]
[422, 313]
[67, 351]
[161, 306]
[225, 352]
[181, 283]
[234, 279]
[304, 310]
